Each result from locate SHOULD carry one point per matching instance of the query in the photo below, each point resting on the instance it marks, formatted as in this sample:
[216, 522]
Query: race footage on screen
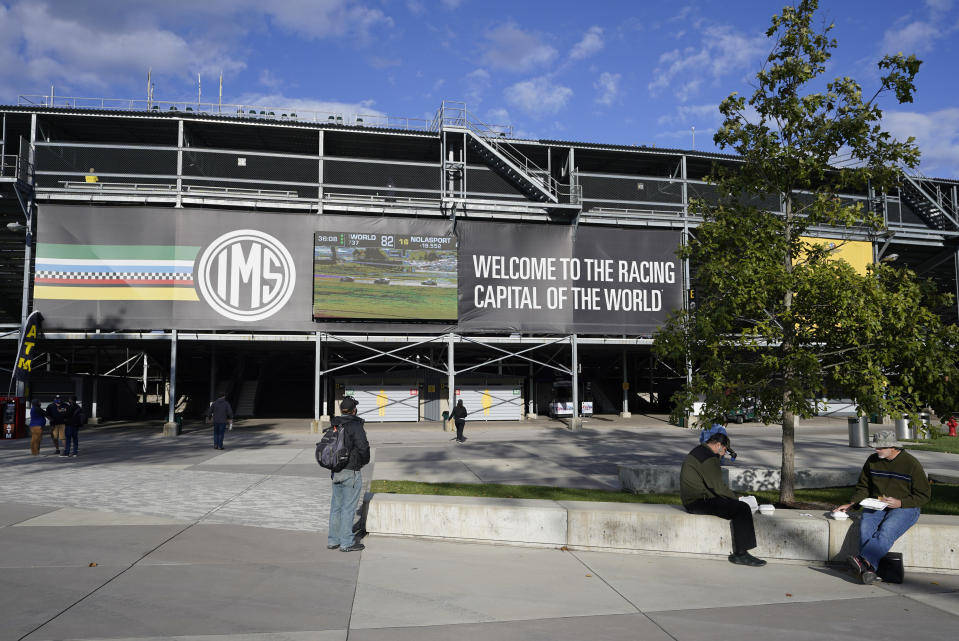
[362, 275]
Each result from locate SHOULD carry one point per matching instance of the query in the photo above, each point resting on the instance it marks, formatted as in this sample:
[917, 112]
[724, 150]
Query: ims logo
[246, 275]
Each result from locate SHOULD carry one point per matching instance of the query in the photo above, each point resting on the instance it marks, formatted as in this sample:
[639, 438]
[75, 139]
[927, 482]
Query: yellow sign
[625, 385]
[381, 402]
[857, 253]
[487, 402]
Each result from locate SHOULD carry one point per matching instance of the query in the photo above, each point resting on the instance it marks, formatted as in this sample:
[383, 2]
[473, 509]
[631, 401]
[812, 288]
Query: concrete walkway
[143, 537]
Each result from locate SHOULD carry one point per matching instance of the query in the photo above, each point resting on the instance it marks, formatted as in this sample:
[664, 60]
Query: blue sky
[622, 72]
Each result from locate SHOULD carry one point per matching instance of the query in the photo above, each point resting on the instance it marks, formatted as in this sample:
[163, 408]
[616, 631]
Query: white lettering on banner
[646, 272]
[246, 275]
[515, 267]
[505, 297]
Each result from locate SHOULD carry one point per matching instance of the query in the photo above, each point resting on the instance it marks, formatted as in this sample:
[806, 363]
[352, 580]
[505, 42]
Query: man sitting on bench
[703, 492]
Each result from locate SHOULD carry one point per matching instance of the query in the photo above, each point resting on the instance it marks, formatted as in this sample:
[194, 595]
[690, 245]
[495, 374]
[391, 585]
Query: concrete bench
[786, 535]
[643, 479]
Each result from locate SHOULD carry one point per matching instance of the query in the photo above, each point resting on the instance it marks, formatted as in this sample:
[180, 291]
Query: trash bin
[178, 419]
[858, 431]
[921, 429]
[904, 431]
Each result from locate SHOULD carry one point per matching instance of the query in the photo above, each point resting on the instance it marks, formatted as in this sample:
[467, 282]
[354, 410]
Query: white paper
[873, 504]
[751, 502]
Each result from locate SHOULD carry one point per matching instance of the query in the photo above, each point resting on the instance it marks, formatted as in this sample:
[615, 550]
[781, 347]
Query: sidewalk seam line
[621, 595]
[143, 556]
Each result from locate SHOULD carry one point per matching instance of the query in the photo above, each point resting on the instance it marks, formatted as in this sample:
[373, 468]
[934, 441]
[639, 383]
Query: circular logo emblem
[246, 275]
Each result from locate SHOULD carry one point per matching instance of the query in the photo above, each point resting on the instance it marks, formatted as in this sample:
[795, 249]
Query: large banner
[142, 268]
[542, 278]
[159, 268]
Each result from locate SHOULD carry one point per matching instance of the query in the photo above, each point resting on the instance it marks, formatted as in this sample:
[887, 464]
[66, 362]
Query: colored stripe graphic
[114, 272]
[114, 293]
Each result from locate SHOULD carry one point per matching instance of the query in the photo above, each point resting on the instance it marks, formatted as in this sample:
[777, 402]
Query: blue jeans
[73, 436]
[879, 529]
[219, 429]
[347, 486]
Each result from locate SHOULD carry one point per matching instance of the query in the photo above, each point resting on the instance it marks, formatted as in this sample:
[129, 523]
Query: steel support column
[625, 413]
[94, 417]
[170, 428]
[574, 421]
[450, 381]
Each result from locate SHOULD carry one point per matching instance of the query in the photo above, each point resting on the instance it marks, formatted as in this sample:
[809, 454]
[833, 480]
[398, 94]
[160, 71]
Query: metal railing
[15, 166]
[257, 112]
[454, 114]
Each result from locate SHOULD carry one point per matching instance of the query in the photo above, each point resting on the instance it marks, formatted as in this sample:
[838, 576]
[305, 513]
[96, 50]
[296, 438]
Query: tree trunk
[787, 487]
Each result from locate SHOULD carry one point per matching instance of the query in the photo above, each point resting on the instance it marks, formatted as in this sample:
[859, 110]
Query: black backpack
[333, 452]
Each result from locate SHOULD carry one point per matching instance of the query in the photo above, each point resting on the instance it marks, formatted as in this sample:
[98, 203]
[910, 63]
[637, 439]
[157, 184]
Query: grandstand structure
[79, 176]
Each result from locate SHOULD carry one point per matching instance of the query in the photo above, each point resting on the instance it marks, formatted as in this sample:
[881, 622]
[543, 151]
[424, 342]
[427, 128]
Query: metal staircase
[926, 199]
[491, 143]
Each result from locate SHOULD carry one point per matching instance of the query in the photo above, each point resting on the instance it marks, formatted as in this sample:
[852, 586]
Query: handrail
[943, 206]
[233, 110]
[454, 114]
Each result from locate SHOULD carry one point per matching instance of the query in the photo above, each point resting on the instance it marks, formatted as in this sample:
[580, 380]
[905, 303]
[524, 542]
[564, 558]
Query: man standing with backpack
[348, 481]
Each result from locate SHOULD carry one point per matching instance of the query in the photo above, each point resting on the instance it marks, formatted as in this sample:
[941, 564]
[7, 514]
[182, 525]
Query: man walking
[896, 478]
[55, 414]
[222, 415]
[73, 418]
[348, 482]
[459, 419]
[703, 492]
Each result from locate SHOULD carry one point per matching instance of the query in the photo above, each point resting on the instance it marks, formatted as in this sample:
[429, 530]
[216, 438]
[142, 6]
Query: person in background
[55, 414]
[38, 418]
[73, 418]
[222, 415]
[896, 478]
[459, 419]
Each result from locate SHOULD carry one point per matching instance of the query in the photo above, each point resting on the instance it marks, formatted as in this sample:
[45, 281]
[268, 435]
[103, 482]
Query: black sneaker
[746, 559]
[333, 547]
[868, 577]
[356, 547]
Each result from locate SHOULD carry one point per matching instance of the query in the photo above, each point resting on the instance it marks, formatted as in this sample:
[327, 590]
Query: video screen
[384, 276]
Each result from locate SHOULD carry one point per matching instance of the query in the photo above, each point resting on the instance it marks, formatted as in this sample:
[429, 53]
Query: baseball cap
[348, 404]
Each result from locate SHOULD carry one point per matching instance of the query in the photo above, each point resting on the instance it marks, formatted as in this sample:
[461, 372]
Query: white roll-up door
[492, 402]
[378, 403]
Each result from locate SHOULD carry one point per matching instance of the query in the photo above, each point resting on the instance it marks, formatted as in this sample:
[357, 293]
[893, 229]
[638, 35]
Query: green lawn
[335, 299]
[945, 498]
[948, 444]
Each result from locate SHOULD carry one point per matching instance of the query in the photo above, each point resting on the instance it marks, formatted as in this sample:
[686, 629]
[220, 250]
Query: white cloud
[915, 37]
[47, 47]
[608, 84]
[538, 96]
[691, 114]
[939, 5]
[936, 133]
[477, 82]
[324, 18]
[320, 108]
[591, 43]
[509, 47]
[721, 52]
[415, 7]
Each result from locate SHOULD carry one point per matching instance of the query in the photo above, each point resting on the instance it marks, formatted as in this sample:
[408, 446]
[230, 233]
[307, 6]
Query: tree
[778, 321]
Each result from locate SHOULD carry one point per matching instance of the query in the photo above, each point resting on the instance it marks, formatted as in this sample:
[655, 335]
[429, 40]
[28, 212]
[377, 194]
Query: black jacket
[459, 412]
[355, 439]
[220, 411]
[74, 416]
[55, 414]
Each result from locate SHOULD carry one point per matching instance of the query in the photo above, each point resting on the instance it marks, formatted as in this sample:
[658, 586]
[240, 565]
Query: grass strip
[945, 498]
[947, 444]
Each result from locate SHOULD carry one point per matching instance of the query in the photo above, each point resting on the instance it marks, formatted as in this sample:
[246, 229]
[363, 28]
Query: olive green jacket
[901, 478]
[701, 477]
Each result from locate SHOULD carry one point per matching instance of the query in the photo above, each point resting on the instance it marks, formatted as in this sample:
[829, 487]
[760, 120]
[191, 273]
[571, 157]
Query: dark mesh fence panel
[631, 189]
[105, 160]
[368, 174]
[486, 181]
[249, 167]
